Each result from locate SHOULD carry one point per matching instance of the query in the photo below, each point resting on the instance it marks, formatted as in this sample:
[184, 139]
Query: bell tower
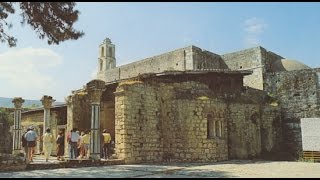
[106, 56]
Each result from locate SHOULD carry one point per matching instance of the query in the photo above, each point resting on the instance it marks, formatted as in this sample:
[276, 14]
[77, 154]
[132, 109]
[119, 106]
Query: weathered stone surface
[297, 93]
[164, 125]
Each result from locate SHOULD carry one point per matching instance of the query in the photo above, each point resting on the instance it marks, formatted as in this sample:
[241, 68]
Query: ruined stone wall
[79, 112]
[157, 123]
[298, 94]
[247, 59]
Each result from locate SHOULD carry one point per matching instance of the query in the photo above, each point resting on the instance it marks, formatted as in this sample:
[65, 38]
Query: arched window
[102, 51]
[210, 126]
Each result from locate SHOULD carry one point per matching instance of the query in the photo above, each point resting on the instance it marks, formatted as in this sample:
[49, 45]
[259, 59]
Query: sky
[140, 30]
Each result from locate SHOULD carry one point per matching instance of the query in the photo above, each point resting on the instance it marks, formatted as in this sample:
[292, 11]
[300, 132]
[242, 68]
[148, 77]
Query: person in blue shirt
[31, 137]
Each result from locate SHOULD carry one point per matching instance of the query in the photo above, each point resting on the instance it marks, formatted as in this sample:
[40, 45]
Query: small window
[210, 126]
[102, 51]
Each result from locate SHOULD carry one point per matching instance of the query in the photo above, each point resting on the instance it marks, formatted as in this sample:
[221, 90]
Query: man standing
[106, 145]
[31, 137]
[73, 142]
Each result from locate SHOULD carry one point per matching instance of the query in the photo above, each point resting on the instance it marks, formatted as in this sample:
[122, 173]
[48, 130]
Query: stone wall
[156, 123]
[6, 139]
[138, 138]
[271, 132]
[189, 58]
[271, 61]
[298, 94]
[79, 111]
[203, 59]
[10, 162]
[174, 60]
[247, 59]
[244, 131]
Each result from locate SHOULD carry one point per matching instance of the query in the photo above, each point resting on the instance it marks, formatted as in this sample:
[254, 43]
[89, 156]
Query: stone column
[95, 89]
[47, 104]
[17, 134]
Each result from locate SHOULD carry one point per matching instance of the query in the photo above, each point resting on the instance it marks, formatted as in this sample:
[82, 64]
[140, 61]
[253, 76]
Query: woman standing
[60, 146]
[47, 143]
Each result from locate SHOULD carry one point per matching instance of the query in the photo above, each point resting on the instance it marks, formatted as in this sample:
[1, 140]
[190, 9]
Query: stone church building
[193, 105]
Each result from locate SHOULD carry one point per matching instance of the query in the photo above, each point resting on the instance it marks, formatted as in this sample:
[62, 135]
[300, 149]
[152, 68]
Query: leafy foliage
[5, 117]
[51, 20]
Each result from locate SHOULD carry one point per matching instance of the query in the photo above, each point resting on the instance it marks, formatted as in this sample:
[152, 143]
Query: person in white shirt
[73, 140]
[47, 143]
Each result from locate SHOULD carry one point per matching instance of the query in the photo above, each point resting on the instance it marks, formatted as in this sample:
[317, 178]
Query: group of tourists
[29, 142]
[79, 144]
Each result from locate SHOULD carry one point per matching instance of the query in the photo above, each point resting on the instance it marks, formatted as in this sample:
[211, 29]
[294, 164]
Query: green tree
[5, 117]
[51, 20]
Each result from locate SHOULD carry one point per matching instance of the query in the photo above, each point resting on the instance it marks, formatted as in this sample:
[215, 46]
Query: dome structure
[288, 65]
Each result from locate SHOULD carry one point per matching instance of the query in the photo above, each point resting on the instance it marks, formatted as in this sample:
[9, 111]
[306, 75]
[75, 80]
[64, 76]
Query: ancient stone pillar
[95, 89]
[47, 104]
[17, 134]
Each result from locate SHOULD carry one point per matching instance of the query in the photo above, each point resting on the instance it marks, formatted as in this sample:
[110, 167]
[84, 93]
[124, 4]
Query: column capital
[18, 101]
[95, 89]
[47, 101]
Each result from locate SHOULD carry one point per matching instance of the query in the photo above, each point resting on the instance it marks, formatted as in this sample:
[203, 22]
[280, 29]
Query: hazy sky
[140, 30]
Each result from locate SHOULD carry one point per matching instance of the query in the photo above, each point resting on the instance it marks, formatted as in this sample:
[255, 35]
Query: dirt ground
[235, 168]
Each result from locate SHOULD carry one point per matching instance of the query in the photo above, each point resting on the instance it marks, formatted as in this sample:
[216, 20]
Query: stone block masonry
[298, 94]
[159, 122]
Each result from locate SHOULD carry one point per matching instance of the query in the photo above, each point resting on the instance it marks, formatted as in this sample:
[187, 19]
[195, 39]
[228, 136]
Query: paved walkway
[234, 168]
[40, 159]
